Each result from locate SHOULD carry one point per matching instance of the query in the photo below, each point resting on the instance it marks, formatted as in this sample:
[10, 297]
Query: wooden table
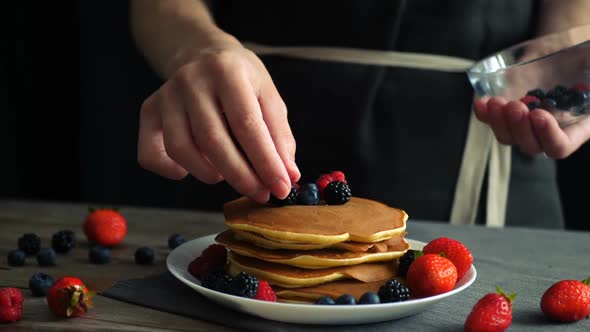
[146, 227]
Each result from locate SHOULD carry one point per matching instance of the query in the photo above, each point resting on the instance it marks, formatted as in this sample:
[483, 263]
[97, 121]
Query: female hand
[220, 117]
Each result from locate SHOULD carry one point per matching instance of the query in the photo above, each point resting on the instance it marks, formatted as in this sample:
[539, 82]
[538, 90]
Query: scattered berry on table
[291, 199]
[30, 243]
[63, 241]
[567, 301]
[16, 257]
[454, 250]
[406, 260]
[40, 283]
[393, 291]
[244, 285]
[175, 240]
[369, 298]
[144, 256]
[99, 255]
[105, 227]
[217, 279]
[11, 305]
[346, 299]
[337, 193]
[308, 194]
[69, 297]
[540, 94]
[430, 275]
[265, 292]
[215, 255]
[46, 257]
[493, 312]
[325, 300]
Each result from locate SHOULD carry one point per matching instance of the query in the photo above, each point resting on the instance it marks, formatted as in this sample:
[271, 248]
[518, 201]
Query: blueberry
[536, 93]
[39, 284]
[30, 243]
[346, 299]
[175, 240]
[144, 256]
[16, 258]
[549, 104]
[325, 300]
[533, 105]
[369, 298]
[577, 98]
[99, 255]
[309, 194]
[46, 257]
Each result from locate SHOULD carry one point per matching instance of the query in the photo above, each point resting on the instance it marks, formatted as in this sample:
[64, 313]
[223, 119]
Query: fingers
[213, 138]
[179, 142]
[496, 120]
[244, 115]
[520, 127]
[274, 113]
[559, 143]
[151, 153]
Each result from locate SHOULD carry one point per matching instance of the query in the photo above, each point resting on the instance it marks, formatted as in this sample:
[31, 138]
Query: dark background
[72, 86]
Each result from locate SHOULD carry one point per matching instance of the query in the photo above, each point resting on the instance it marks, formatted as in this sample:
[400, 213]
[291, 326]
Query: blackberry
[369, 298]
[549, 104]
[144, 256]
[291, 199]
[39, 284]
[244, 285]
[46, 257]
[337, 193]
[175, 240]
[218, 280]
[63, 241]
[393, 291]
[99, 255]
[309, 194]
[16, 258]
[325, 300]
[406, 260]
[30, 243]
[536, 93]
[346, 299]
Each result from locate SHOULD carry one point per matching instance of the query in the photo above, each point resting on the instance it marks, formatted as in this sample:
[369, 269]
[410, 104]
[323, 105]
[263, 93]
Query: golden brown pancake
[359, 220]
[332, 289]
[311, 259]
[292, 277]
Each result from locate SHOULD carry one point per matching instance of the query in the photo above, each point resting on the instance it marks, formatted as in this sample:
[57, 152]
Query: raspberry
[584, 87]
[30, 243]
[337, 193]
[406, 260]
[322, 182]
[213, 256]
[529, 99]
[63, 241]
[265, 292]
[217, 279]
[393, 291]
[338, 176]
[291, 199]
[244, 285]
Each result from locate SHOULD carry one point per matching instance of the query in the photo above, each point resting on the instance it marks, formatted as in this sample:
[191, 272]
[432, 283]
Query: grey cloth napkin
[523, 261]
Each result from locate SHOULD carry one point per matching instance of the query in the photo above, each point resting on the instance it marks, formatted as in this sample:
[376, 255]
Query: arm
[559, 15]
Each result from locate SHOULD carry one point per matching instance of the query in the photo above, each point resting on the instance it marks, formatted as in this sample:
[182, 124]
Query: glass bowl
[551, 72]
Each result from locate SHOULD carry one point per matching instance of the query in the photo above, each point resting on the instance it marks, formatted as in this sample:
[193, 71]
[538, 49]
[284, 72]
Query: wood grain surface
[146, 227]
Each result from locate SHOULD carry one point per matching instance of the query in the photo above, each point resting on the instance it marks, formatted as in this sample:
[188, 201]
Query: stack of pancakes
[305, 251]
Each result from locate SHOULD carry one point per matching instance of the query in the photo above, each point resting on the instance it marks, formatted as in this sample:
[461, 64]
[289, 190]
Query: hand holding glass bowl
[536, 94]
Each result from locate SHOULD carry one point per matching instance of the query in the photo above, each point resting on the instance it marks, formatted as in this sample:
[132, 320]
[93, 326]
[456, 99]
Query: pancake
[359, 220]
[292, 277]
[311, 259]
[332, 289]
[263, 242]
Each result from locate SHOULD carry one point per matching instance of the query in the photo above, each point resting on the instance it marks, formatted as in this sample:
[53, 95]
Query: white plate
[179, 259]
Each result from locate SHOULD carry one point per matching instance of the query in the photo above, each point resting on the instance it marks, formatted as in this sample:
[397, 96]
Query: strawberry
[431, 274]
[213, 256]
[69, 297]
[265, 292]
[567, 300]
[529, 99]
[105, 227]
[492, 313]
[11, 305]
[584, 87]
[454, 250]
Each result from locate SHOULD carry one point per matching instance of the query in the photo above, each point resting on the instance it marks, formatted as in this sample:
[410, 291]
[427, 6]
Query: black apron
[397, 133]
